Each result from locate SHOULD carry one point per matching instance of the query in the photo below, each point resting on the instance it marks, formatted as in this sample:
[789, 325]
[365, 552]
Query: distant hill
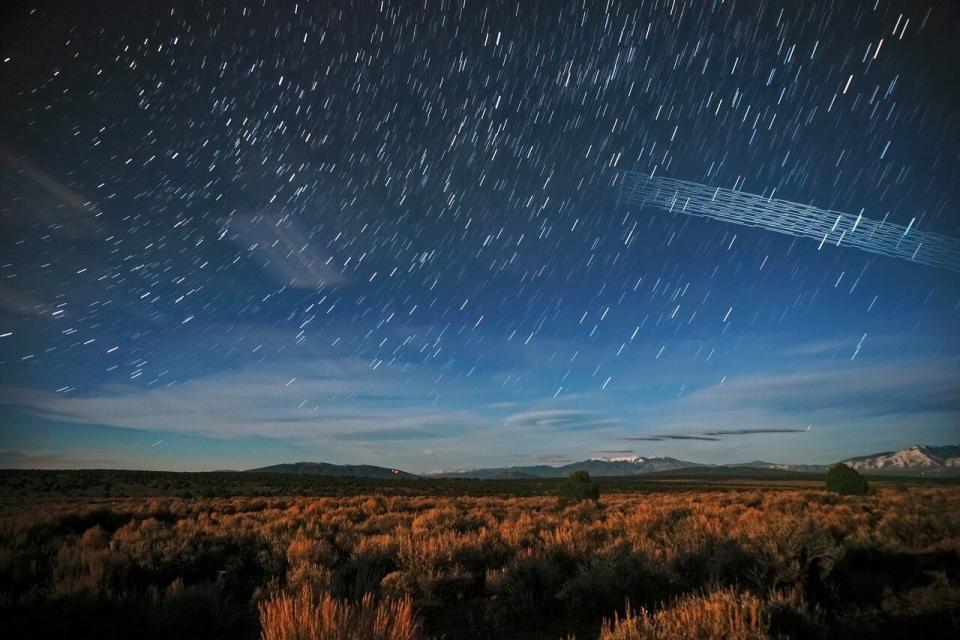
[737, 471]
[597, 467]
[501, 473]
[773, 466]
[339, 470]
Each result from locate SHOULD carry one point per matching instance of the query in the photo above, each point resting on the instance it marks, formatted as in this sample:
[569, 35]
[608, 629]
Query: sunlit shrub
[722, 615]
[309, 562]
[310, 616]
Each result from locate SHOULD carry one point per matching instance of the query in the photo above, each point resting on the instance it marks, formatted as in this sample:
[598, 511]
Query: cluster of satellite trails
[792, 218]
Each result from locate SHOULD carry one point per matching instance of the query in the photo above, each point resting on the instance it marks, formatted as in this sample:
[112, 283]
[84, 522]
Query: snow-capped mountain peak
[634, 459]
[915, 457]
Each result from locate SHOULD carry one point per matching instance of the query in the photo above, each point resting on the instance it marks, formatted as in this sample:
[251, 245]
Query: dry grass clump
[721, 615]
[308, 616]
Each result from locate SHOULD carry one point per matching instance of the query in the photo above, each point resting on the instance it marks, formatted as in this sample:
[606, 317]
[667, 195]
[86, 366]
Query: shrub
[602, 583]
[722, 615]
[526, 589]
[307, 616]
[577, 488]
[846, 481]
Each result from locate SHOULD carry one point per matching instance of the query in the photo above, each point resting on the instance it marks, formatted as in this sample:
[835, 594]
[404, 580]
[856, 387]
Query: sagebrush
[484, 567]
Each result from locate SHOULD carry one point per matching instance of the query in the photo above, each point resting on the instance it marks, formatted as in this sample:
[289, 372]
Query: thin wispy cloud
[909, 383]
[709, 435]
[667, 436]
[48, 460]
[546, 458]
[333, 400]
[286, 249]
[560, 420]
[836, 399]
[51, 200]
[741, 432]
[23, 303]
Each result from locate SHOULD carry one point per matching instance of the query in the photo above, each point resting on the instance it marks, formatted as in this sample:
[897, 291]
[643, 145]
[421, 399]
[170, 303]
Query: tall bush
[577, 488]
[846, 481]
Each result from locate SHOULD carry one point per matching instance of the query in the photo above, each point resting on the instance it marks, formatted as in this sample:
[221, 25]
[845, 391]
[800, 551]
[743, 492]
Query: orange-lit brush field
[747, 562]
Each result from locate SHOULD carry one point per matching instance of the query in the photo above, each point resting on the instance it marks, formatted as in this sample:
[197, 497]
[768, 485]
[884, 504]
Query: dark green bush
[846, 481]
[577, 488]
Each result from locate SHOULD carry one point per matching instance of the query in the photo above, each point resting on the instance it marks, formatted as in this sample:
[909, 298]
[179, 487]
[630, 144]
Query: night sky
[242, 233]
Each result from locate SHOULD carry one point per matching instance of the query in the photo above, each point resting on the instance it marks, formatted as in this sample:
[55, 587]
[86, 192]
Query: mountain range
[338, 470]
[915, 460]
[626, 466]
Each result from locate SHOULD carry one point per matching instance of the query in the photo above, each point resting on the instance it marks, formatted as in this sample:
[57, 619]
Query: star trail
[241, 233]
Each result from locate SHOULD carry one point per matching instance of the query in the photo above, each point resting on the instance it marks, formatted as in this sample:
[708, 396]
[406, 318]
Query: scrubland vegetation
[740, 563]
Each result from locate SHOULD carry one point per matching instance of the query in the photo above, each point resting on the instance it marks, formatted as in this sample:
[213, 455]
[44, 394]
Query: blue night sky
[234, 234]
